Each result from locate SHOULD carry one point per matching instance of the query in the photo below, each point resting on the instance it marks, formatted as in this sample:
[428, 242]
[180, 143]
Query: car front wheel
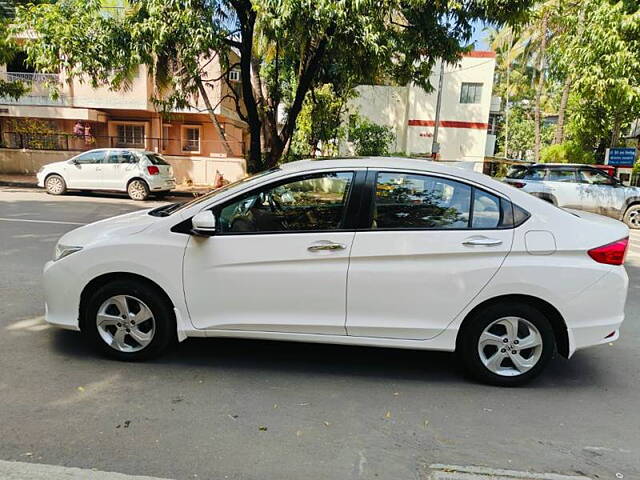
[507, 344]
[632, 217]
[129, 320]
[55, 185]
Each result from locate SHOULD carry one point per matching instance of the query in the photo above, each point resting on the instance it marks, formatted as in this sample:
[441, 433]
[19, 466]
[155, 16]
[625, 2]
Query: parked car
[139, 173]
[579, 186]
[381, 252]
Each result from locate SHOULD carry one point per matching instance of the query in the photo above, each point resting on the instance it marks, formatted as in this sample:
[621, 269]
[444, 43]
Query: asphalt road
[226, 409]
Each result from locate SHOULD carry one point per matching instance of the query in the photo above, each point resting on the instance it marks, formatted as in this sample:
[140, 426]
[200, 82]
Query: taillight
[612, 253]
[518, 184]
[153, 170]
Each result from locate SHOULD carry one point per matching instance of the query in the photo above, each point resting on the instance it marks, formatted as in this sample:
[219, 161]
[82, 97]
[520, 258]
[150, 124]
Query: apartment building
[410, 111]
[81, 118]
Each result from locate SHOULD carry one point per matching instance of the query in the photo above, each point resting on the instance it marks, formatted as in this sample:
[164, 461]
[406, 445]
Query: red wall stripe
[480, 54]
[449, 124]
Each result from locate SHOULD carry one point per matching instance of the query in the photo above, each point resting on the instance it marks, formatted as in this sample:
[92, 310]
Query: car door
[600, 192]
[429, 246]
[562, 184]
[85, 170]
[278, 261]
[118, 168]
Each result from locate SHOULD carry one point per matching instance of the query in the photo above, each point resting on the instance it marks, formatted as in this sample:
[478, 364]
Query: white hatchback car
[139, 173]
[380, 252]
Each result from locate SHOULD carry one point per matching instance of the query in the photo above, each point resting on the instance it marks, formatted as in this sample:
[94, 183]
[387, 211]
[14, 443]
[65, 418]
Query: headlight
[63, 251]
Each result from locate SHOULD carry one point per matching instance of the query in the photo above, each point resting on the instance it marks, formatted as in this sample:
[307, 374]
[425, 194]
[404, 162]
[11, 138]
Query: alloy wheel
[125, 323]
[634, 218]
[55, 185]
[137, 190]
[510, 346]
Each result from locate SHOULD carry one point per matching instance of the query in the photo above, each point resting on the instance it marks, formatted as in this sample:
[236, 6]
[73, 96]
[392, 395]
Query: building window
[191, 139]
[471, 93]
[130, 136]
[234, 75]
[494, 119]
[166, 129]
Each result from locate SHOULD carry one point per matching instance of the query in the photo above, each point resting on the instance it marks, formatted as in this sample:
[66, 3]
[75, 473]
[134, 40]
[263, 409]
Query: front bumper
[62, 296]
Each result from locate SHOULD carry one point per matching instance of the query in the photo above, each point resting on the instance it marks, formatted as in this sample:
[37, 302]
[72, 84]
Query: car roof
[561, 165]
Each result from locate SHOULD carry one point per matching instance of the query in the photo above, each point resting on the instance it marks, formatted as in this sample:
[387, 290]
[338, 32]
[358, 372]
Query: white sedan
[137, 172]
[380, 252]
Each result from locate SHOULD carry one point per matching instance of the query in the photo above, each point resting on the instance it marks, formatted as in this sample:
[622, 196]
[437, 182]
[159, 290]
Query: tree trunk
[615, 133]
[559, 135]
[541, 65]
[214, 117]
[247, 18]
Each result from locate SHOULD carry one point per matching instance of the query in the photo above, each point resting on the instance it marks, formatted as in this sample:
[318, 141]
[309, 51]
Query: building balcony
[39, 89]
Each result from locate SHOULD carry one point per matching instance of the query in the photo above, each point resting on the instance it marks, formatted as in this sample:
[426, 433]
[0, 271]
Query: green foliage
[521, 134]
[370, 139]
[319, 123]
[287, 48]
[567, 152]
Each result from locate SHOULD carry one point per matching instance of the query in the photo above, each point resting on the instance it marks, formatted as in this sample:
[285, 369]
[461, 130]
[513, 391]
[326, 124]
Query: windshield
[517, 171]
[176, 207]
[156, 159]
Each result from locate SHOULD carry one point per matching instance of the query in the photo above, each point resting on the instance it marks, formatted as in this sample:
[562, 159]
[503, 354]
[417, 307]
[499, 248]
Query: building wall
[411, 111]
[198, 170]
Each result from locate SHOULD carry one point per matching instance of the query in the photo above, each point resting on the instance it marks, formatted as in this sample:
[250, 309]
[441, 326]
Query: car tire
[632, 217]
[55, 185]
[492, 353]
[129, 320]
[138, 190]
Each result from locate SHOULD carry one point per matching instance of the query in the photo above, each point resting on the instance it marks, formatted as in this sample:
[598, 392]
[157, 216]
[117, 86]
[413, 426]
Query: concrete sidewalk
[30, 181]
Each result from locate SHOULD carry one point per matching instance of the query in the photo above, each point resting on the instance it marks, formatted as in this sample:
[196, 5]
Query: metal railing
[30, 78]
[38, 88]
[169, 146]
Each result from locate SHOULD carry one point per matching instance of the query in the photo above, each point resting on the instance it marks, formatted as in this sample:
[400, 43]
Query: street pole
[435, 146]
[506, 117]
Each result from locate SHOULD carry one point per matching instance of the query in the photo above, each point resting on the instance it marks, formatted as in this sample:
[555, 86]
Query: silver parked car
[579, 186]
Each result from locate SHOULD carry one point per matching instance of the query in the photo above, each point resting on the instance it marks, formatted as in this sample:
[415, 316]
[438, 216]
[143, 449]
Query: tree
[370, 139]
[10, 89]
[285, 47]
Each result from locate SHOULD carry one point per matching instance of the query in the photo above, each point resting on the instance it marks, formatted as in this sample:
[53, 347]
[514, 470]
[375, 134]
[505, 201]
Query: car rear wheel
[55, 185]
[138, 190]
[507, 344]
[128, 320]
[632, 217]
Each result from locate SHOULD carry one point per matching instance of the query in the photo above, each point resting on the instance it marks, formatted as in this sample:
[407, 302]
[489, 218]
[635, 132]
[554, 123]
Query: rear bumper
[594, 317]
[159, 184]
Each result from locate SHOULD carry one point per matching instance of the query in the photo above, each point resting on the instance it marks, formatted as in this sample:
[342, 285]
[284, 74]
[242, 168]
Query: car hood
[122, 225]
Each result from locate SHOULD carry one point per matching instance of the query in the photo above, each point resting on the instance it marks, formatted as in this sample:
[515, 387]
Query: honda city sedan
[380, 252]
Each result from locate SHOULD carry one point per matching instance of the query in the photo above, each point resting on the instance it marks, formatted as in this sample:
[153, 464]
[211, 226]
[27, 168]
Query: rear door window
[561, 175]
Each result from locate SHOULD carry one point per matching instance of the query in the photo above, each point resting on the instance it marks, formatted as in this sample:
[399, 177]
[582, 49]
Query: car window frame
[101, 162]
[573, 170]
[595, 171]
[133, 154]
[351, 204]
[368, 201]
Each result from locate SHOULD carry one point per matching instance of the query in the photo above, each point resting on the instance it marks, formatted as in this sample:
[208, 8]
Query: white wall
[411, 111]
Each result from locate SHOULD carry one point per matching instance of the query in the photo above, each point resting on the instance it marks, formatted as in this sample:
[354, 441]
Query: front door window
[311, 203]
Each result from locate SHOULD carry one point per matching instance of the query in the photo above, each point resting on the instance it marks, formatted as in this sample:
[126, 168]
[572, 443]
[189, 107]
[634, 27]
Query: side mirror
[204, 224]
[73, 161]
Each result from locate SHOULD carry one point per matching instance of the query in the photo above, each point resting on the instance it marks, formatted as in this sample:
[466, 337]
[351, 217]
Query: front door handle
[482, 241]
[326, 246]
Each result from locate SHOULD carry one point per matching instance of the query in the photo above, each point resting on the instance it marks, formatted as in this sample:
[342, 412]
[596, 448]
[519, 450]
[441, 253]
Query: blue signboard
[622, 157]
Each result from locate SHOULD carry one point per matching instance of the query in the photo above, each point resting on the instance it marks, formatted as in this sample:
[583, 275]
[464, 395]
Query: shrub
[368, 138]
[567, 152]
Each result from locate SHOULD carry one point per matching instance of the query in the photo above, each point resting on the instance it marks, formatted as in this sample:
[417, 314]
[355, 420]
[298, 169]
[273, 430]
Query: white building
[411, 112]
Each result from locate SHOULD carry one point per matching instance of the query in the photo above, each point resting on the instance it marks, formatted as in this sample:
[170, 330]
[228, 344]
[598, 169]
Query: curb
[173, 193]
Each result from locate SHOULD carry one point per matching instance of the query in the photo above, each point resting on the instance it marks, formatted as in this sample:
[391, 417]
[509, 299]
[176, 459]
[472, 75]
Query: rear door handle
[482, 241]
[326, 246]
